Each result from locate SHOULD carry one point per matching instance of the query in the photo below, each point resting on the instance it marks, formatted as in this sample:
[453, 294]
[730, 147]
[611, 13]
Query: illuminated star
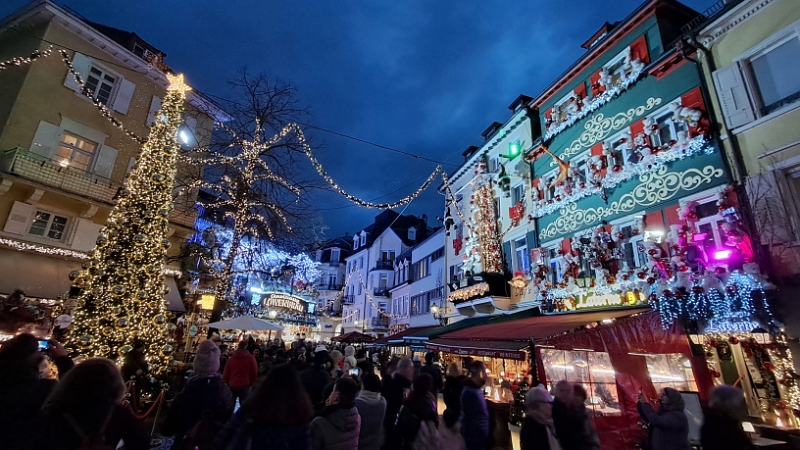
[176, 83]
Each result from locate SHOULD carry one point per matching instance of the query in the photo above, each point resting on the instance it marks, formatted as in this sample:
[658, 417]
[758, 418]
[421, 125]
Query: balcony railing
[384, 265]
[348, 299]
[30, 166]
[380, 322]
[329, 287]
[380, 292]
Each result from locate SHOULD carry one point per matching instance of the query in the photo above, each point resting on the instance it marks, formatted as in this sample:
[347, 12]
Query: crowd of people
[310, 396]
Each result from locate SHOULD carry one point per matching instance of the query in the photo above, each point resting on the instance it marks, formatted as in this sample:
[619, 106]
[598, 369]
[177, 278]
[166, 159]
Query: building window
[387, 255]
[633, 250]
[334, 255]
[48, 225]
[668, 128]
[437, 254]
[75, 151]
[709, 225]
[671, 370]
[517, 193]
[619, 147]
[412, 234]
[563, 108]
[522, 259]
[580, 167]
[493, 166]
[554, 263]
[364, 239]
[774, 75]
[547, 184]
[592, 370]
[419, 269]
[100, 84]
[617, 68]
[355, 243]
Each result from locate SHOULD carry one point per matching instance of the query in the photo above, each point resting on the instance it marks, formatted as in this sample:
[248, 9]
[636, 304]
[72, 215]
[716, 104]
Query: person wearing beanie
[538, 431]
[350, 363]
[205, 393]
[23, 391]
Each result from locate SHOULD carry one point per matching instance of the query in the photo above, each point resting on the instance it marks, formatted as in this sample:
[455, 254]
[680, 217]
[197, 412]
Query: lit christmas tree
[122, 298]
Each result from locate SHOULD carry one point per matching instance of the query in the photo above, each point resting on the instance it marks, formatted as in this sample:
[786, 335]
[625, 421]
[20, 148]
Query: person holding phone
[668, 428]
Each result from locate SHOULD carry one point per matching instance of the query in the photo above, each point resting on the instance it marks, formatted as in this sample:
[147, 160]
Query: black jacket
[451, 394]
[569, 423]
[722, 432]
[436, 373]
[315, 380]
[201, 394]
[55, 433]
[22, 395]
[410, 417]
[533, 435]
[393, 391]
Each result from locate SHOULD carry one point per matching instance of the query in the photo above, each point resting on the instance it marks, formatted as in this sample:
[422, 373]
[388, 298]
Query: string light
[20, 60]
[122, 299]
[469, 292]
[488, 242]
[381, 311]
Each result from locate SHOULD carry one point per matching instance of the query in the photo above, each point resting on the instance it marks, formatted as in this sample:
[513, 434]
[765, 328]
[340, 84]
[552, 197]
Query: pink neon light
[722, 254]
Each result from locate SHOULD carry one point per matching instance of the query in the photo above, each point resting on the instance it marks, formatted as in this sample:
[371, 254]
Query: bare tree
[252, 174]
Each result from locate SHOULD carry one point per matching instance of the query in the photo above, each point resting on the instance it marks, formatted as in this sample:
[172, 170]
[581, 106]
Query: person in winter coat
[22, 390]
[590, 440]
[722, 428]
[205, 393]
[315, 378]
[86, 405]
[474, 410]
[339, 424]
[277, 416]
[538, 431]
[372, 409]
[417, 423]
[569, 420]
[241, 373]
[432, 369]
[394, 390]
[451, 394]
[668, 429]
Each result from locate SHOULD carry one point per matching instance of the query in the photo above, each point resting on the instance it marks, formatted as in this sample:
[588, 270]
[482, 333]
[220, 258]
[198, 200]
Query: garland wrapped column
[122, 298]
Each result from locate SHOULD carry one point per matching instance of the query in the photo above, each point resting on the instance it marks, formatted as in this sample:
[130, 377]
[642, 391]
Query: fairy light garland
[123, 290]
[21, 60]
[381, 311]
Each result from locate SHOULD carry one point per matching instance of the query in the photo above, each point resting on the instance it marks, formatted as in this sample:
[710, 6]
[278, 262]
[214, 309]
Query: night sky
[425, 77]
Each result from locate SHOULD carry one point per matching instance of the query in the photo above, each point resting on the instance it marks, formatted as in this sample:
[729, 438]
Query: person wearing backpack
[84, 412]
[276, 416]
[199, 411]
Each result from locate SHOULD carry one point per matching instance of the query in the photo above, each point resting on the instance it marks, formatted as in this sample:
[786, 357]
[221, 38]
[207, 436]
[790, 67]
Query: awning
[397, 338]
[540, 327]
[173, 296]
[39, 276]
[421, 337]
[491, 349]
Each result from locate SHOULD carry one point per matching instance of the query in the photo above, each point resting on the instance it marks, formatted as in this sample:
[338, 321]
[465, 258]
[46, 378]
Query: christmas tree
[122, 298]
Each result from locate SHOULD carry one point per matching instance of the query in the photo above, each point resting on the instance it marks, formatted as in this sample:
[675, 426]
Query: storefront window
[593, 370]
[671, 370]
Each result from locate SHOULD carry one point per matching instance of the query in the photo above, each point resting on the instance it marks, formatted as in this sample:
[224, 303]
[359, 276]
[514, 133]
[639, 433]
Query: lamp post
[439, 314]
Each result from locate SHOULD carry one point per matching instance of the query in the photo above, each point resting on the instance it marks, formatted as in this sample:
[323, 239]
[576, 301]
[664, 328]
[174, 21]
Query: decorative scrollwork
[654, 188]
[599, 127]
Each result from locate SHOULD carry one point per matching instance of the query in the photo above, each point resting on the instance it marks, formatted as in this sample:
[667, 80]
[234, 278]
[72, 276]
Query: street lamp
[273, 314]
[439, 314]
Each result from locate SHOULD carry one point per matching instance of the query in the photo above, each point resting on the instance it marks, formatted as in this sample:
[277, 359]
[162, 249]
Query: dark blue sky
[423, 76]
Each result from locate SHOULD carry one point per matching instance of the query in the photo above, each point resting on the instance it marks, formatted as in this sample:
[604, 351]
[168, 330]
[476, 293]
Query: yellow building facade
[750, 53]
[61, 161]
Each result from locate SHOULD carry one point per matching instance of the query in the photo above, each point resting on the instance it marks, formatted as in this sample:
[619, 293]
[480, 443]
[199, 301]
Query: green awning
[422, 337]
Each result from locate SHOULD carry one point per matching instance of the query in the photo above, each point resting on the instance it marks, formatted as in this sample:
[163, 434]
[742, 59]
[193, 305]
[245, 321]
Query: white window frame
[493, 165]
[624, 58]
[363, 239]
[556, 108]
[547, 180]
[103, 72]
[516, 251]
[355, 243]
[781, 37]
[553, 263]
[92, 156]
[49, 226]
[335, 251]
[671, 122]
[630, 221]
[583, 158]
[521, 187]
[626, 150]
[702, 198]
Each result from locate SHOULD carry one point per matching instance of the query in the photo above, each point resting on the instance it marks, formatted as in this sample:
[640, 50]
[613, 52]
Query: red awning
[397, 338]
[539, 327]
[491, 349]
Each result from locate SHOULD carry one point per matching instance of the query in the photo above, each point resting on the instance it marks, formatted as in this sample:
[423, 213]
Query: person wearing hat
[22, 390]
[538, 431]
[205, 393]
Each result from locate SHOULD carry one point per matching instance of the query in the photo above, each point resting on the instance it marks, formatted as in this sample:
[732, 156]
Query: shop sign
[487, 352]
[286, 302]
[193, 330]
[761, 338]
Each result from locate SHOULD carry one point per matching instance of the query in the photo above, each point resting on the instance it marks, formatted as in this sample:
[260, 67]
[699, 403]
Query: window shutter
[733, 97]
[639, 50]
[532, 241]
[81, 64]
[104, 166]
[46, 140]
[771, 217]
[693, 99]
[155, 105]
[637, 128]
[566, 245]
[131, 162]
[594, 84]
[509, 258]
[580, 91]
[19, 218]
[124, 95]
[85, 236]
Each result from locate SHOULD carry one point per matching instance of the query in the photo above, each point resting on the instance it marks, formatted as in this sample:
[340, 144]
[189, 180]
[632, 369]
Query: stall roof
[438, 331]
[537, 327]
[397, 338]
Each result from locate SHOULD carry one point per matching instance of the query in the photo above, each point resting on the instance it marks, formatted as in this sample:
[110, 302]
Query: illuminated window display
[671, 370]
[591, 369]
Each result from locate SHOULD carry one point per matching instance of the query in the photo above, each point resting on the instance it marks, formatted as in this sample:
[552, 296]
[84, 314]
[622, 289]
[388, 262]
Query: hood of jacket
[239, 355]
[343, 417]
[370, 398]
[676, 402]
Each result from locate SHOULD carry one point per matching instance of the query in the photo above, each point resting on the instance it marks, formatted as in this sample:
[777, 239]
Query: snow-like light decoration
[592, 104]
[678, 151]
[476, 290]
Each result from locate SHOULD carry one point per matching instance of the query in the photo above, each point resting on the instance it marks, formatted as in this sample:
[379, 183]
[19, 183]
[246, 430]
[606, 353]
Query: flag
[563, 167]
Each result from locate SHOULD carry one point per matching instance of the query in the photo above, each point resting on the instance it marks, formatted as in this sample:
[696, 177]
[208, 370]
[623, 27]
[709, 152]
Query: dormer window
[364, 239]
[355, 242]
[412, 234]
[334, 255]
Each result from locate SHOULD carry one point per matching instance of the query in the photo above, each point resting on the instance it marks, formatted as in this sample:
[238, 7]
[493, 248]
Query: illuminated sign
[207, 301]
[285, 301]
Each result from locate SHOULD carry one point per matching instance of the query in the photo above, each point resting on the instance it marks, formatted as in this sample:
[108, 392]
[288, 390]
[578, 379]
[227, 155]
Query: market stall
[397, 345]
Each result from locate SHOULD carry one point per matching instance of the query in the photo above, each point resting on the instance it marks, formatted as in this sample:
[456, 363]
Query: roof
[399, 224]
[397, 338]
[538, 327]
[438, 331]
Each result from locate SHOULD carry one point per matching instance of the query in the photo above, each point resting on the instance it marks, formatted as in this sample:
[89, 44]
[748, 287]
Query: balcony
[348, 299]
[380, 322]
[381, 292]
[30, 166]
[329, 287]
[384, 265]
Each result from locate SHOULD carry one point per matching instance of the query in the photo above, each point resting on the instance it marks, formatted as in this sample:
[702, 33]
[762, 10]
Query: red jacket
[241, 370]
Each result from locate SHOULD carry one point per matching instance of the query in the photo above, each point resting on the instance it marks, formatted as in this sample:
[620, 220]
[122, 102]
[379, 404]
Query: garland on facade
[580, 108]
[489, 250]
